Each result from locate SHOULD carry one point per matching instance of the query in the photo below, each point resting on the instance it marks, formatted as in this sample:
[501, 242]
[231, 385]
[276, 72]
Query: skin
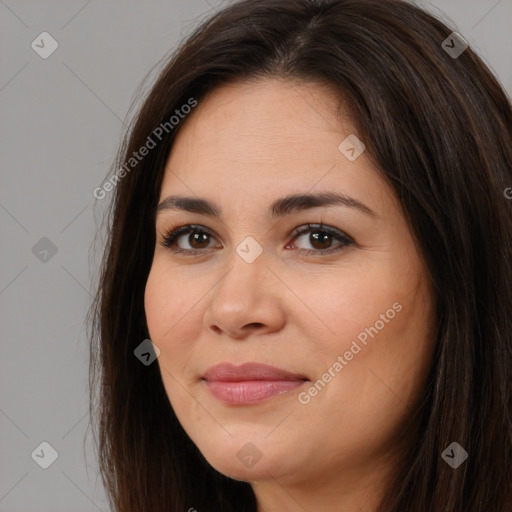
[245, 145]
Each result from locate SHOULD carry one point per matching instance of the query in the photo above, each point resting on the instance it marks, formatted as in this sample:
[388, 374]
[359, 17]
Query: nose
[247, 300]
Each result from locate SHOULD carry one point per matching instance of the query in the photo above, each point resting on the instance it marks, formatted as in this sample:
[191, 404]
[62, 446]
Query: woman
[311, 226]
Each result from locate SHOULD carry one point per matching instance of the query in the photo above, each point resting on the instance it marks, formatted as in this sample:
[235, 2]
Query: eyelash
[170, 237]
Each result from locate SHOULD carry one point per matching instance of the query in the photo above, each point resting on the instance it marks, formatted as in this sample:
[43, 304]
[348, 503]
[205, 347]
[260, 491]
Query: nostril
[254, 324]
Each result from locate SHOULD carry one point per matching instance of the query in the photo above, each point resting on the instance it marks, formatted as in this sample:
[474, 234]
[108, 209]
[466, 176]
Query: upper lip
[227, 372]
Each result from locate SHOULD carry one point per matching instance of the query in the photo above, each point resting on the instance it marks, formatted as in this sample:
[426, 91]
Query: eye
[198, 238]
[321, 238]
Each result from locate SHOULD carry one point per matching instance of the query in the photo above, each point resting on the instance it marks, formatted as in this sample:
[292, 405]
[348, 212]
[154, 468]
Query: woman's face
[342, 313]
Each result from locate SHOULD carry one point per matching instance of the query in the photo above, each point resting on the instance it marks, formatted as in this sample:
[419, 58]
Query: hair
[439, 129]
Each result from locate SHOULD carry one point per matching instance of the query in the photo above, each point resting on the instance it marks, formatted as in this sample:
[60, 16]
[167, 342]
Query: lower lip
[251, 391]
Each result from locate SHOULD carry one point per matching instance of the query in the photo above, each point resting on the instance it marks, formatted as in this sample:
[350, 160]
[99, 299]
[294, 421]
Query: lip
[249, 383]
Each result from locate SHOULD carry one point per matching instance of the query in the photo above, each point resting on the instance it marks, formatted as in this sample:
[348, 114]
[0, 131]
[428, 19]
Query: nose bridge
[243, 295]
[247, 269]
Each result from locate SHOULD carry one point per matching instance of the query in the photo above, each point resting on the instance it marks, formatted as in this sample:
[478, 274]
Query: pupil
[196, 240]
[321, 239]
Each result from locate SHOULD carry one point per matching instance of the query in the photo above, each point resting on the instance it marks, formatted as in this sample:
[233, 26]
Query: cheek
[344, 304]
[152, 300]
[173, 321]
[377, 322]
[164, 308]
[166, 301]
[384, 362]
[156, 307]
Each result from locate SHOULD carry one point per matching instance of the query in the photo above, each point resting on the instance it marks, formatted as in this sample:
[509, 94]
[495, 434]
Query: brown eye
[321, 239]
[196, 240]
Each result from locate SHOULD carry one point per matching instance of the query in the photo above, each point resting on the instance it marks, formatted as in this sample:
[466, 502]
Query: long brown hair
[439, 127]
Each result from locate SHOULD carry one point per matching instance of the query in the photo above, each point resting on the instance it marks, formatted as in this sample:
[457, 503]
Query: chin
[245, 460]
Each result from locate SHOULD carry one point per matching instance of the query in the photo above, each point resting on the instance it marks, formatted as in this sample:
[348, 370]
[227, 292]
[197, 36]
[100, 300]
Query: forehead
[262, 121]
[264, 139]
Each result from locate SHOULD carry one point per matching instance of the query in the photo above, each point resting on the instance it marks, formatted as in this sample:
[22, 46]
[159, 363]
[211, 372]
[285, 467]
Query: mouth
[249, 383]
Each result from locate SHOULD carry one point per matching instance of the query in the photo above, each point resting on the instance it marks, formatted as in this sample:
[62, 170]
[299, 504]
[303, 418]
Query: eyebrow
[279, 208]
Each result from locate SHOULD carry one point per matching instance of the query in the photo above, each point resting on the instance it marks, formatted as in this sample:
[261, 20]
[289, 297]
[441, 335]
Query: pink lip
[249, 383]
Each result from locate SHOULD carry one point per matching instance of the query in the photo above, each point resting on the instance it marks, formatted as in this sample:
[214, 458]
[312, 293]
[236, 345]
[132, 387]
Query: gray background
[61, 121]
